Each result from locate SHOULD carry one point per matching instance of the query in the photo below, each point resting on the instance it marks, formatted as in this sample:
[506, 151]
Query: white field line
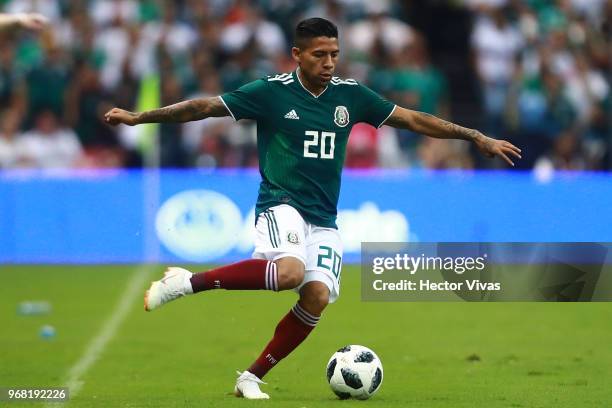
[135, 287]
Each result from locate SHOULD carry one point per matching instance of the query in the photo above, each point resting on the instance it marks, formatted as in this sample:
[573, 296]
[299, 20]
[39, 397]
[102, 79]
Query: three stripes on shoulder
[338, 81]
[287, 78]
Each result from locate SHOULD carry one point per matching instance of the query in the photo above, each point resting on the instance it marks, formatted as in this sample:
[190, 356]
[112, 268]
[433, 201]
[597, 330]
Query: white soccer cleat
[247, 386]
[175, 284]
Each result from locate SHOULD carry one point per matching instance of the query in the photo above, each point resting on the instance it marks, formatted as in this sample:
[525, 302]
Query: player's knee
[290, 273]
[293, 279]
[314, 297]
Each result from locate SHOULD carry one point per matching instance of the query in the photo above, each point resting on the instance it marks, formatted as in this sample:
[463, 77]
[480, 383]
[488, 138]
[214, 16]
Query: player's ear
[295, 54]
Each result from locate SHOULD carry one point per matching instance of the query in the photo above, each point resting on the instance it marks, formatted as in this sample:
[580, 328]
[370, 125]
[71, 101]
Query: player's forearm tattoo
[437, 127]
[194, 109]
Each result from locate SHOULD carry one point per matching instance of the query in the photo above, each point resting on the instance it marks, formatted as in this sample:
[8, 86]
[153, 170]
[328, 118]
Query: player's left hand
[501, 148]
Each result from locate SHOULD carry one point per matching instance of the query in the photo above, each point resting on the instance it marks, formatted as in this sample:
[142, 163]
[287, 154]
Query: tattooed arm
[432, 126]
[30, 21]
[194, 109]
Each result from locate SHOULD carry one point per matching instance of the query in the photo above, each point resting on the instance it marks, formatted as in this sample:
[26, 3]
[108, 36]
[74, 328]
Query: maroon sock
[290, 333]
[247, 275]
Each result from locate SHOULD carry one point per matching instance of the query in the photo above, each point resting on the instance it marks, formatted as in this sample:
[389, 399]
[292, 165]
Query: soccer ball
[354, 372]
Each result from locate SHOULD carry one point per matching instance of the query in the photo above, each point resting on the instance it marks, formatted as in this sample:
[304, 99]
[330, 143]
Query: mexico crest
[341, 116]
[293, 237]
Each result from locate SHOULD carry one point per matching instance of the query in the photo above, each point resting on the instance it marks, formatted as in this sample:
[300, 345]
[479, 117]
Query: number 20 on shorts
[330, 260]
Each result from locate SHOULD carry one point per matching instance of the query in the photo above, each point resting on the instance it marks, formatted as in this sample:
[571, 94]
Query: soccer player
[303, 119]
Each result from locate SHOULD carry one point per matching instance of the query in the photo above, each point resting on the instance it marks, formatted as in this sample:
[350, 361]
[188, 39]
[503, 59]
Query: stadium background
[533, 72]
[75, 191]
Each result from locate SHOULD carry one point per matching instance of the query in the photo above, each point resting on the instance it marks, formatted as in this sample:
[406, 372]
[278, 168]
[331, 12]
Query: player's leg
[251, 274]
[289, 333]
[314, 298]
[281, 268]
[280, 256]
[320, 286]
[281, 237]
[280, 274]
[293, 328]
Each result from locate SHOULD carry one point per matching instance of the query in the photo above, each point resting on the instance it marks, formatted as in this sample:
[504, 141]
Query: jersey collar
[295, 73]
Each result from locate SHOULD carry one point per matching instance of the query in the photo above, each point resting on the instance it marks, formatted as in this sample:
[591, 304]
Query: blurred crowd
[541, 68]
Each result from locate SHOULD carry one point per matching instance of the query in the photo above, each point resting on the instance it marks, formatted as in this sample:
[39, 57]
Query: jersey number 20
[326, 142]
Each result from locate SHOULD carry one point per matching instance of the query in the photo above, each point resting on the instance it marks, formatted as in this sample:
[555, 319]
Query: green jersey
[302, 138]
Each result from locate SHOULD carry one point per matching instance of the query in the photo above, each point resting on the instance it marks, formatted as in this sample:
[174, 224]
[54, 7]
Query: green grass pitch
[186, 354]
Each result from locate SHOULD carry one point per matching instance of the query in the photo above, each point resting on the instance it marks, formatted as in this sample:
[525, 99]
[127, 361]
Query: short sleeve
[247, 102]
[372, 108]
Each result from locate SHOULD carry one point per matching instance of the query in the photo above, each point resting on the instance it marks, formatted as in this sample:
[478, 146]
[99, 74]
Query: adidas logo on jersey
[292, 114]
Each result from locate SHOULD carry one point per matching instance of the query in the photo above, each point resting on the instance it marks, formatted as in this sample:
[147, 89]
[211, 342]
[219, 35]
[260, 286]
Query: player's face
[317, 59]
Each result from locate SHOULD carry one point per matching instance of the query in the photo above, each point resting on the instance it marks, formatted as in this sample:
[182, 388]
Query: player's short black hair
[312, 28]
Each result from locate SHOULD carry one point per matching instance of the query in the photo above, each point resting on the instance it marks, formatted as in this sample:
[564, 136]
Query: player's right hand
[33, 21]
[492, 147]
[116, 116]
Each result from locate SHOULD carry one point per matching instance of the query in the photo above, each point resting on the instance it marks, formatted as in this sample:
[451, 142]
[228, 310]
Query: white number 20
[328, 144]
